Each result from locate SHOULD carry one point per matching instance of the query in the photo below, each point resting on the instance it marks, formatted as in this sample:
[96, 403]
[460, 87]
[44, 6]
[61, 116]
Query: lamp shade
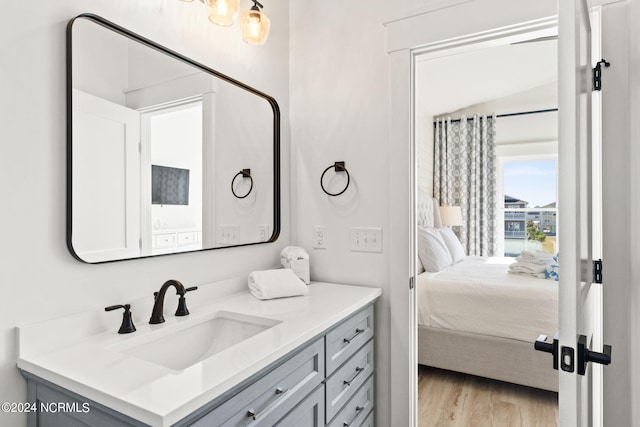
[451, 215]
[255, 26]
[223, 12]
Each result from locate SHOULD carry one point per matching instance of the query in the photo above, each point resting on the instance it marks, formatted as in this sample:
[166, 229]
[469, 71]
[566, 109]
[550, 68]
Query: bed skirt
[486, 356]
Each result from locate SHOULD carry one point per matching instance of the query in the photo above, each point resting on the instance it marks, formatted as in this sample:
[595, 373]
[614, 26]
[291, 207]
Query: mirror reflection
[166, 155]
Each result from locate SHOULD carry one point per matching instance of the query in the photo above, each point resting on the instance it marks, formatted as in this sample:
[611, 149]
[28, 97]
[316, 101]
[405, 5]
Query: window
[529, 206]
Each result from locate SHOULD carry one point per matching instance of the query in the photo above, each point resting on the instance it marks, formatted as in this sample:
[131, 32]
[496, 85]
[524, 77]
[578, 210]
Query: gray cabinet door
[59, 407]
[271, 397]
[309, 413]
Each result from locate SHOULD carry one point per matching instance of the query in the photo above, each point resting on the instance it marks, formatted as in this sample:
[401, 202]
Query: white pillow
[432, 250]
[453, 244]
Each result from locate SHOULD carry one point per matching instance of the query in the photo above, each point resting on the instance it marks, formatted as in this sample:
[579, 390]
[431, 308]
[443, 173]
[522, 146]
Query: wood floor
[452, 399]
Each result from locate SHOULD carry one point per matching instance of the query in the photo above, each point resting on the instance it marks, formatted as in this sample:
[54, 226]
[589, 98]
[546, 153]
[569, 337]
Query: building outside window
[530, 206]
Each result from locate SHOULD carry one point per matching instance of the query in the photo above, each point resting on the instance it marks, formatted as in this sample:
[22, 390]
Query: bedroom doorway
[459, 346]
[423, 179]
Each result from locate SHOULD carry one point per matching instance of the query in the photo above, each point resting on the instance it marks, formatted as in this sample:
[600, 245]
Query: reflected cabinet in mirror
[165, 155]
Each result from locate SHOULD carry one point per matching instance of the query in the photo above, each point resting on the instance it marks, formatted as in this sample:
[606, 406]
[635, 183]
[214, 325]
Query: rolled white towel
[535, 255]
[269, 284]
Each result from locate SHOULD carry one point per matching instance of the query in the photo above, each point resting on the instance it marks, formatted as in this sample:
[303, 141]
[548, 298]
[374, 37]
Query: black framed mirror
[158, 147]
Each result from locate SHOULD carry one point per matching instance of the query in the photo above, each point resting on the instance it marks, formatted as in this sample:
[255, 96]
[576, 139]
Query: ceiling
[450, 83]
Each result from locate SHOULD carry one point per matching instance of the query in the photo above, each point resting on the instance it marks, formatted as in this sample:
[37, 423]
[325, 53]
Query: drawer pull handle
[358, 332]
[358, 409]
[279, 392]
[358, 371]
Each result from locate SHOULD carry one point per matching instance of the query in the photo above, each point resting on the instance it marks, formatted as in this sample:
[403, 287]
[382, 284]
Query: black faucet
[158, 306]
[127, 323]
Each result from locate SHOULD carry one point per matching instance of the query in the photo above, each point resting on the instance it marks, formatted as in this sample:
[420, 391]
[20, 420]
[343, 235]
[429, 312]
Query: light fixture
[255, 25]
[223, 12]
[451, 216]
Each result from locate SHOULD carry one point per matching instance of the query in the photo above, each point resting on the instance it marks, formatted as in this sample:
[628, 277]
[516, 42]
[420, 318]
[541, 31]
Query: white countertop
[159, 396]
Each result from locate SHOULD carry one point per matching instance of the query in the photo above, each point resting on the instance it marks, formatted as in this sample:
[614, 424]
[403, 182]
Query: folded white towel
[268, 284]
[534, 261]
[535, 255]
[536, 275]
[533, 264]
[526, 268]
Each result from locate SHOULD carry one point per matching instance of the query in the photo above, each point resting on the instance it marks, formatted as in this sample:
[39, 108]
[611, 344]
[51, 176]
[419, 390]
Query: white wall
[243, 140]
[39, 278]
[100, 72]
[339, 99]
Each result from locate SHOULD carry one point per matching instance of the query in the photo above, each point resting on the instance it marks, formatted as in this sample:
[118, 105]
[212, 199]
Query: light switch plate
[263, 233]
[228, 235]
[320, 237]
[365, 239]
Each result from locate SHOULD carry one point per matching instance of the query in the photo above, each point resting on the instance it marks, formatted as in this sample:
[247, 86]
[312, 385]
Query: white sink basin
[182, 348]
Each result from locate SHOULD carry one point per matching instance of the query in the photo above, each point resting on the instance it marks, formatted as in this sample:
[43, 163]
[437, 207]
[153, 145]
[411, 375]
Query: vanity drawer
[271, 397]
[343, 341]
[346, 380]
[355, 412]
[164, 240]
[309, 413]
[187, 238]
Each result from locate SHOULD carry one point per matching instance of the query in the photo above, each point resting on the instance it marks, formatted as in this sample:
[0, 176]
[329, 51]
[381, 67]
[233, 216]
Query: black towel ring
[245, 173]
[338, 167]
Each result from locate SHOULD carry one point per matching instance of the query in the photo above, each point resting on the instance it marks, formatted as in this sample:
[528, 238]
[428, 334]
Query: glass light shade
[223, 12]
[255, 26]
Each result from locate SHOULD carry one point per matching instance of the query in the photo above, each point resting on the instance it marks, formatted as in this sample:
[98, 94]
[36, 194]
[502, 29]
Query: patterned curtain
[465, 176]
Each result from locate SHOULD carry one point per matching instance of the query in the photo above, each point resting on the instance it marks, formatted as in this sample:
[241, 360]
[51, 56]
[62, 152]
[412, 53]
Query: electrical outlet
[263, 233]
[228, 235]
[365, 239]
[319, 237]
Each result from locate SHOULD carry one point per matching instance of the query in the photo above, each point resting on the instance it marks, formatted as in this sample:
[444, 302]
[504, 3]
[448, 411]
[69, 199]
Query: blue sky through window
[533, 181]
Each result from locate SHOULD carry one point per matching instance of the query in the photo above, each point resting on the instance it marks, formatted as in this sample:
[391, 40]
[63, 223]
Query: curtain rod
[522, 113]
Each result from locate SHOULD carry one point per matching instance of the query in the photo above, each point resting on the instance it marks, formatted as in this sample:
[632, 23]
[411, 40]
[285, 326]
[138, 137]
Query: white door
[579, 304]
[105, 179]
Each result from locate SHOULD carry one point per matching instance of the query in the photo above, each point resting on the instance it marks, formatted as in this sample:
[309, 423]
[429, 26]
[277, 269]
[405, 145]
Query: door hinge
[597, 74]
[597, 271]
[412, 280]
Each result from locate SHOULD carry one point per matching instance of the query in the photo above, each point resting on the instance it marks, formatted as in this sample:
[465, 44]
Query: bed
[474, 317]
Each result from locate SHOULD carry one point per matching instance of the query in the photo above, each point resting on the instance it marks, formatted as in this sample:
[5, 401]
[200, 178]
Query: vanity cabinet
[326, 381]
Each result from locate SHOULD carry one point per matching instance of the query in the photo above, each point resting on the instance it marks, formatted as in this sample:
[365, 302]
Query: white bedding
[478, 295]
